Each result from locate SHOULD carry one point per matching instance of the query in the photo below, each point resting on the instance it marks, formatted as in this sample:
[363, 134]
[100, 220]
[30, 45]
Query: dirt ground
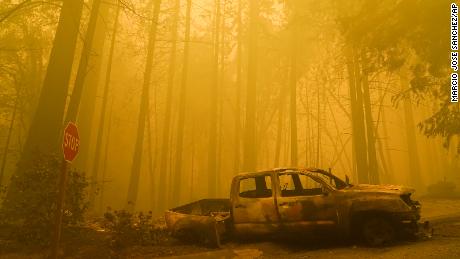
[444, 214]
[444, 244]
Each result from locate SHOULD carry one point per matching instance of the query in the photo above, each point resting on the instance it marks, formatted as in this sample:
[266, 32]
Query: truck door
[305, 203]
[253, 208]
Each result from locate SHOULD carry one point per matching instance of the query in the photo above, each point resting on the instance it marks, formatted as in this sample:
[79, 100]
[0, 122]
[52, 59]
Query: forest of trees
[172, 98]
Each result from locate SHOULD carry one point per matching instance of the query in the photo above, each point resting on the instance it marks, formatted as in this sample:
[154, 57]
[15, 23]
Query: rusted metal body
[204, 220]
[301, 201]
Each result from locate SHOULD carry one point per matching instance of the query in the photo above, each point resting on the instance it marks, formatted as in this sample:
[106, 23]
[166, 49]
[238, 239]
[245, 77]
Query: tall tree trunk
[307, 129]
[164, 156]
[412, 148]
[192, 158]
[220, 100]
[212, 149]
[385, 174]
[137, 156]
[151, 160]
[72, 109]
[342, 144]
[100, 132]
[386, 147]
[239, 58]
[35, 58]
[370, 131]
[293, 93]
[106, 155]
[318, 127]
[250, 155]
[88, 101]
[6, 150]
[46, 126]
[182, 101]
[357, 119]
[279, 131]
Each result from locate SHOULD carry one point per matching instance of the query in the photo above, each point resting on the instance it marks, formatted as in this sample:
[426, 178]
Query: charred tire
[377, 231]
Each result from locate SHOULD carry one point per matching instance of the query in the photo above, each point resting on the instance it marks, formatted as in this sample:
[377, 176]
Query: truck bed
[204, 220]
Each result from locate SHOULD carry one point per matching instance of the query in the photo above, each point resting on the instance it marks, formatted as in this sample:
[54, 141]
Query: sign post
[70, 145]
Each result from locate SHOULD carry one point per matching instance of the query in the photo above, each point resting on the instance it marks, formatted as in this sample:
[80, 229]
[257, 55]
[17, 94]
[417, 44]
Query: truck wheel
[377, 231]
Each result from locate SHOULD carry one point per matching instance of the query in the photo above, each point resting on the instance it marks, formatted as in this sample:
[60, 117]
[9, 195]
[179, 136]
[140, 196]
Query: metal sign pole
[59, 209]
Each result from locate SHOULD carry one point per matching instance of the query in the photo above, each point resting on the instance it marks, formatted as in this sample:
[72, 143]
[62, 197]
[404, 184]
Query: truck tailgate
[204, 221]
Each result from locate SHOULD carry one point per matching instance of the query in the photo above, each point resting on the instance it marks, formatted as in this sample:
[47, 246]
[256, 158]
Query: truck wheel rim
[377, 232]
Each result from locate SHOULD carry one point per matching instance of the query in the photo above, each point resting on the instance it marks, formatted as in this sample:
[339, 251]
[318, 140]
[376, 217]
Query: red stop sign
[71, 142]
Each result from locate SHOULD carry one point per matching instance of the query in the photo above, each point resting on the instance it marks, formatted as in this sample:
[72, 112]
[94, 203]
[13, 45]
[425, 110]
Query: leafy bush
[32, 213]
[129, 229]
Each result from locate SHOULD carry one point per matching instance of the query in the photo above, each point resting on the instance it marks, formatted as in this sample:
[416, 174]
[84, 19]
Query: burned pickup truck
[303, 201]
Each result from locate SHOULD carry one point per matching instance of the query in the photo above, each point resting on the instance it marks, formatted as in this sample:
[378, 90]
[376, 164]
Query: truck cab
[273, 201]
[311, 201]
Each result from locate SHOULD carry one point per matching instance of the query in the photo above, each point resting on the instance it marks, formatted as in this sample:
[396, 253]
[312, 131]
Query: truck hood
[390, 189]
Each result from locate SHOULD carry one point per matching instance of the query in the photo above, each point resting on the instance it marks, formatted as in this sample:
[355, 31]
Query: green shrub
[31, 213]
[129, 229]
